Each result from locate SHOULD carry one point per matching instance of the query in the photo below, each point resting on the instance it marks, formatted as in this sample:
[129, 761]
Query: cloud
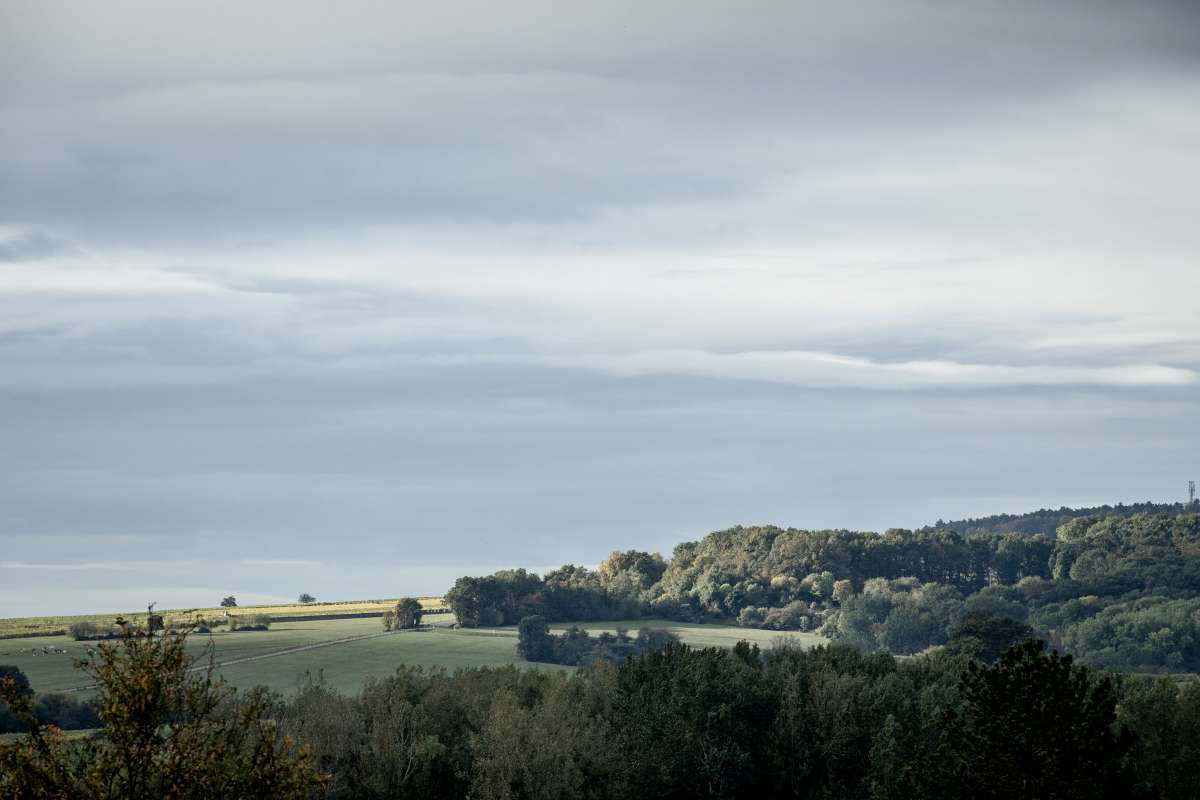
[816, 369]
[536, 285]
[88, 566]
[17, 244]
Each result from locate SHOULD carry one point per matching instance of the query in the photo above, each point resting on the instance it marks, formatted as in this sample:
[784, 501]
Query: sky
[357, 298]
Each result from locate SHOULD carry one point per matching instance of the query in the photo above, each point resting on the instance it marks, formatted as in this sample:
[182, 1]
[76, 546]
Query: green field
[347, 664]
[696, 635]
[17, 627]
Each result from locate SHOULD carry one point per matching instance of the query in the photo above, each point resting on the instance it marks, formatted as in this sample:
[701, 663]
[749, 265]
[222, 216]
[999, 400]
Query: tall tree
[1033, 725]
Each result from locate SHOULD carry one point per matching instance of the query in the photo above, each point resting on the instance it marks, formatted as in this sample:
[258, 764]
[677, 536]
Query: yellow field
[56, 626]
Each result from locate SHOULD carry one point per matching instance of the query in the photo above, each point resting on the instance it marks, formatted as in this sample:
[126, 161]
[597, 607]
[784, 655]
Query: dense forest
[673, 722]
[1119, 591]
[825, 723]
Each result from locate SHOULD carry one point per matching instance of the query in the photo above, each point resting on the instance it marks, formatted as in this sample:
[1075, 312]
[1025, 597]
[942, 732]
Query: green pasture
[345, 665]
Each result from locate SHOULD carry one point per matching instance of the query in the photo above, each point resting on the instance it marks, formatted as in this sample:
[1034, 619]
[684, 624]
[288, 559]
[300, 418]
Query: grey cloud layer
[279, 276]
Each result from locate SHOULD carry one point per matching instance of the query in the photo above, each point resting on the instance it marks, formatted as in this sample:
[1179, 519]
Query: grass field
[56, 626]
[347, 664]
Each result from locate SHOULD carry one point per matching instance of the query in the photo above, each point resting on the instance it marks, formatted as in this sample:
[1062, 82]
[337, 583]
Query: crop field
[272, 658]
[51, 626]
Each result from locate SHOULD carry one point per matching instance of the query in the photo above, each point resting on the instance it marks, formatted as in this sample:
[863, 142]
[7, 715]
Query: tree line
[1117, 591]
[1047, 521]
[577, 647]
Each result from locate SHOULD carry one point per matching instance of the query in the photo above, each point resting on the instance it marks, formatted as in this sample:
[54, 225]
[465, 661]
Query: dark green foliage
[534, 642]
[229, 602]
[692, 723]
[830, 722]
[19, 681]
[67, 712]
[569, 593]
[18, 684]
[576, 647]
[1117, 591]
[60, 710]
[1034, 725]
[1165, 721]
[484, 733]
[985, 636]
[1047, 521]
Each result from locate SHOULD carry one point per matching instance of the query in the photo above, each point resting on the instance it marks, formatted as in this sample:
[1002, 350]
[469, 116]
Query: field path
[284, 652]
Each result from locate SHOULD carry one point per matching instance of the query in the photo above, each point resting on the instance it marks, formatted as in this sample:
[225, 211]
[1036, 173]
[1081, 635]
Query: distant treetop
[1047, 521]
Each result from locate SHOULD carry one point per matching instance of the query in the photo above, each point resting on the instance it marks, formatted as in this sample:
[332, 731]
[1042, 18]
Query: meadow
[345, 665]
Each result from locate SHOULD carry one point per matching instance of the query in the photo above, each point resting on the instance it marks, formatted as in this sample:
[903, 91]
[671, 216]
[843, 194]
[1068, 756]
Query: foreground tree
[171, 731]
[1034, 725]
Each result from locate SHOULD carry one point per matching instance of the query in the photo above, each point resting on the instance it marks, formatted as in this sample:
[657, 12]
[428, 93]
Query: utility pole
[1191, 492]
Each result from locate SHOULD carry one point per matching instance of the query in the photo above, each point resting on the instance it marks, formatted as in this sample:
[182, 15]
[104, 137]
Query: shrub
[250, 622]
[83, 630]
[66, 712]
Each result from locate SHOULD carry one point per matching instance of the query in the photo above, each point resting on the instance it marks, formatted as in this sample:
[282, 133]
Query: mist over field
[356, 301]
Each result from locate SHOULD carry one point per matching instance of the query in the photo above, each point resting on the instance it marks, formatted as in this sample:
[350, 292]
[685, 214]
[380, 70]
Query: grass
[56, 671]
[697, 635]
[20, 627]
[347, 665]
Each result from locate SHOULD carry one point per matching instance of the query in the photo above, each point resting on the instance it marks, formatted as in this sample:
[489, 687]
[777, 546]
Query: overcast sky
[355, 298]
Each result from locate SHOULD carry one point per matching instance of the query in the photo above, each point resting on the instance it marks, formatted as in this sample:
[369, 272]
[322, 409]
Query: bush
[86, 630]
[250, 622]
[66, 712]
[83, 630]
